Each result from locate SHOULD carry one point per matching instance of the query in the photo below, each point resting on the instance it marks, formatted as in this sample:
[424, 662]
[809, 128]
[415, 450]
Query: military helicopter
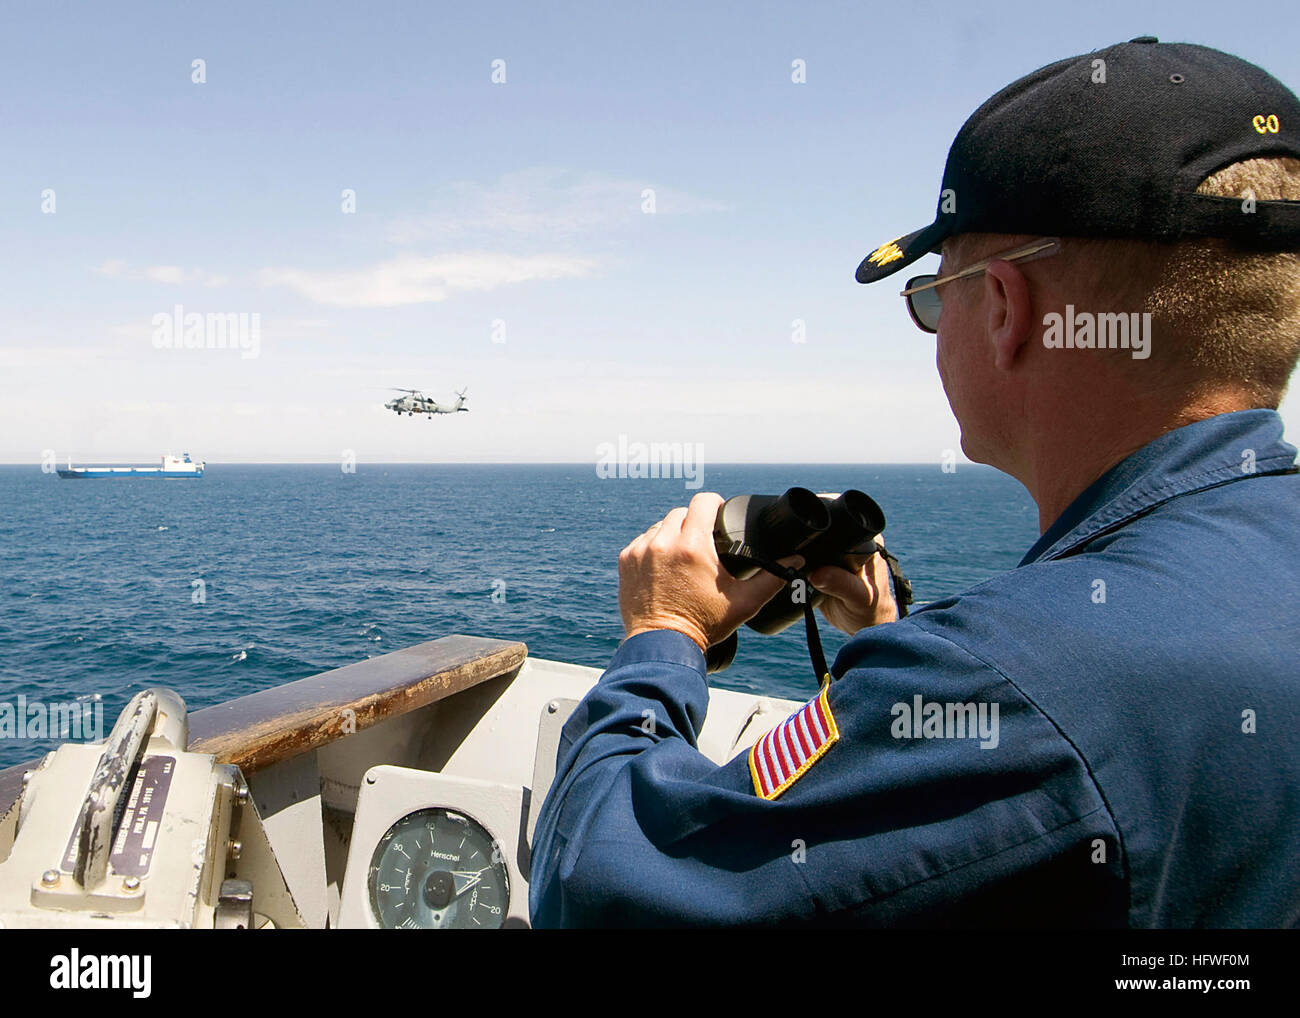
[416, 402]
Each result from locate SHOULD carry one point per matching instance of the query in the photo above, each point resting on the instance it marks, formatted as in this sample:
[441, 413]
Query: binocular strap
[902, 590]
[815, 652]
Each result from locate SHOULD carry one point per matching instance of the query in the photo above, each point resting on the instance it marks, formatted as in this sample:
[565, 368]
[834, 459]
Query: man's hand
[670, 578]
[856, 599]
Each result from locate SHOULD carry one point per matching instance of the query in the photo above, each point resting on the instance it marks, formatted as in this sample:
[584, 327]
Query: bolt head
[50, 877]
[131, 883]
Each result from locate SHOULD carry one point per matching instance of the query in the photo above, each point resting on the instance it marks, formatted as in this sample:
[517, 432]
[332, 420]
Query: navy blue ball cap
[1114, 144]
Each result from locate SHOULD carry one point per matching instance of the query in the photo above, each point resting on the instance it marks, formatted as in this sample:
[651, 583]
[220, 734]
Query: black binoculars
[753, 531]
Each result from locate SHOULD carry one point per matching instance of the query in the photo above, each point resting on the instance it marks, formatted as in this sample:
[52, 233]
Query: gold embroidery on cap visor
[885, 254]
[923, 302]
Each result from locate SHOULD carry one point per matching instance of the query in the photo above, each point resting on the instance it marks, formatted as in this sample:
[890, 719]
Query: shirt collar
[1200, 455]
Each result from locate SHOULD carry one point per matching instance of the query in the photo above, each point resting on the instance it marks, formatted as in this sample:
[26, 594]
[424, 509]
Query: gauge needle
[465, 879]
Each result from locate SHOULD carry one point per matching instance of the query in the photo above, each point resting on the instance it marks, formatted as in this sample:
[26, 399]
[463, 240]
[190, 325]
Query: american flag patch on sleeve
[785, 753]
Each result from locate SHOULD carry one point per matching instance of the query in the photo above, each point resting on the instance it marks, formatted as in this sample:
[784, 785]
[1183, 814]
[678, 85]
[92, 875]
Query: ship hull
[91, 473]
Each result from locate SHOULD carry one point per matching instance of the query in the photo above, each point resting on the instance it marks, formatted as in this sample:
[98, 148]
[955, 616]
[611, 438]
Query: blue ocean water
[305, 568]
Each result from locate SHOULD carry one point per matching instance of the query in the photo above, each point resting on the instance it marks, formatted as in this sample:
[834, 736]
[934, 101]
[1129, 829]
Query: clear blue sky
[518, 202]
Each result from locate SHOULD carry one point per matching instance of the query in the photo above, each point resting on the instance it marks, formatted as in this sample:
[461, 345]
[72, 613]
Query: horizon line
[537, 463]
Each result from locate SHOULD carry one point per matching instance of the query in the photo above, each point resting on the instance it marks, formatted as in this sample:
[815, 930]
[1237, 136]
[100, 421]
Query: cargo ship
[170, 467]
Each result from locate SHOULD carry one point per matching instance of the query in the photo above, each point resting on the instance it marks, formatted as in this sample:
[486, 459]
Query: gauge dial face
[438, 869]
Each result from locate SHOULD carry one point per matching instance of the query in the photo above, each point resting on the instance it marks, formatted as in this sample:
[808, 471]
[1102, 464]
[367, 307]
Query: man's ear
[1009, 324]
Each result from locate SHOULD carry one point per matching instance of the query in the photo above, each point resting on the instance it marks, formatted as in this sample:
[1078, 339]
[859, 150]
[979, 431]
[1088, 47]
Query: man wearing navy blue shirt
[1104, 736]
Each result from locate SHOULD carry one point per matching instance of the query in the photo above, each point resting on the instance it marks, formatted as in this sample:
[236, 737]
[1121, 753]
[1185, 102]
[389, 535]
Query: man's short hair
[1220, 313]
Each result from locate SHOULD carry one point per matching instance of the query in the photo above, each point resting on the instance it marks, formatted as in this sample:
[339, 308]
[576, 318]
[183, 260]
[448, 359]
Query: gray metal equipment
[138, 832]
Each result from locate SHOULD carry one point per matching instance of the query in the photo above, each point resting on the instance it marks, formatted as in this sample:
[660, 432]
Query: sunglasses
[923, 302]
